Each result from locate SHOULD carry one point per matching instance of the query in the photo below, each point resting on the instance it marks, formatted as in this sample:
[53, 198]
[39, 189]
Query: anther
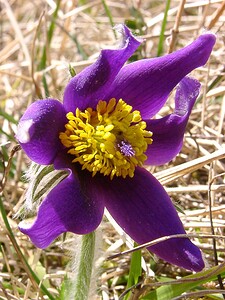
[111, 139]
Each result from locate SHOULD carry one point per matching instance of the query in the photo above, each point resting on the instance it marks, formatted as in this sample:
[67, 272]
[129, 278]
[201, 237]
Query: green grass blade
[75, 40]
[52, 25]
[161, 37]
[42, 64]
[8, 117]
[44, 81]
[171, 291]
[27, 267]
[135, 271]
[108, 13]
[10, 137]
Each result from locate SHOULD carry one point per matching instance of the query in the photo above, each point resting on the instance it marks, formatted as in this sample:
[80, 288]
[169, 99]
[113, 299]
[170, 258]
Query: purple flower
[103, 134]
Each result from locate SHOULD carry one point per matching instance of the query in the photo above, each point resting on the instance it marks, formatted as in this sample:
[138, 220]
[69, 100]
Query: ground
[39, 40]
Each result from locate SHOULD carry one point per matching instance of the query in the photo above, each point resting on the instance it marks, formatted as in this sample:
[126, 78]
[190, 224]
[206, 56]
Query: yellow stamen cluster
[95, 137]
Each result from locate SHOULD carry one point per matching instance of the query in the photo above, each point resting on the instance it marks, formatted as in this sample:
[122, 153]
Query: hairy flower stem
[85, 266]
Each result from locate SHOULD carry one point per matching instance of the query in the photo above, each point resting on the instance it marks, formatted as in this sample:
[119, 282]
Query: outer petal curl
[168, 132]
[143, 209]
[67, 208]
[91, 85]
[146, 84]
[39, 128]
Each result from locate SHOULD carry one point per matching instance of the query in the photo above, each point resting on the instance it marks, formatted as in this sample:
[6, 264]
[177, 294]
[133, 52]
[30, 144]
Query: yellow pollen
[111, 140]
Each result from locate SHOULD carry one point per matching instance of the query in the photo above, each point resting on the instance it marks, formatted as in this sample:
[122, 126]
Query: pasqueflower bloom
[103, 134]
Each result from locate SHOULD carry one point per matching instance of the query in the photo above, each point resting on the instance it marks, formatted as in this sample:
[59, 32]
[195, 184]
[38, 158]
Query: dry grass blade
[175, 29]
[75, 37]
[218, 13]
[171, 174]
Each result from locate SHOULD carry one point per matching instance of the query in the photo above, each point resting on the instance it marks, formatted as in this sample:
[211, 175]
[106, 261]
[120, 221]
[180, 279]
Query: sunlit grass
[40, 42]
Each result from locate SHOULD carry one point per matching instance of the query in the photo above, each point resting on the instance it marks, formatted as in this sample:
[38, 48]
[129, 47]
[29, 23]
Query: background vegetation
[39, 40]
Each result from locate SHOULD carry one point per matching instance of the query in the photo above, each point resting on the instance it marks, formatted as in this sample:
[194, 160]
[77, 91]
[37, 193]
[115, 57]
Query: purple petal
[38, 130]
[90, 86]
[69, 207]
[143, 209]
[146, 84]
[168, 132]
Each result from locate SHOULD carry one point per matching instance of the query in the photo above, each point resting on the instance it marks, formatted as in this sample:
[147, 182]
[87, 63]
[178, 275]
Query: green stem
[83, 274]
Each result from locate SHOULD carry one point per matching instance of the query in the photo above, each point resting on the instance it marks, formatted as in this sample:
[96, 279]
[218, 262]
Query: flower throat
[111, 139]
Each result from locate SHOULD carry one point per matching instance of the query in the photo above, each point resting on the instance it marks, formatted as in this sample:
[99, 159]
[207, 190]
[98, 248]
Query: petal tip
[189, 256]
[24, 226]
[126, 35]
[207, 41]
[211, 37]
[209, 33]
[28, 228]
[23, 131]
[196, 262]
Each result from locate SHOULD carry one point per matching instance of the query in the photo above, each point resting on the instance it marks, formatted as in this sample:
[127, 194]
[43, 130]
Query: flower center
[111, 139]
